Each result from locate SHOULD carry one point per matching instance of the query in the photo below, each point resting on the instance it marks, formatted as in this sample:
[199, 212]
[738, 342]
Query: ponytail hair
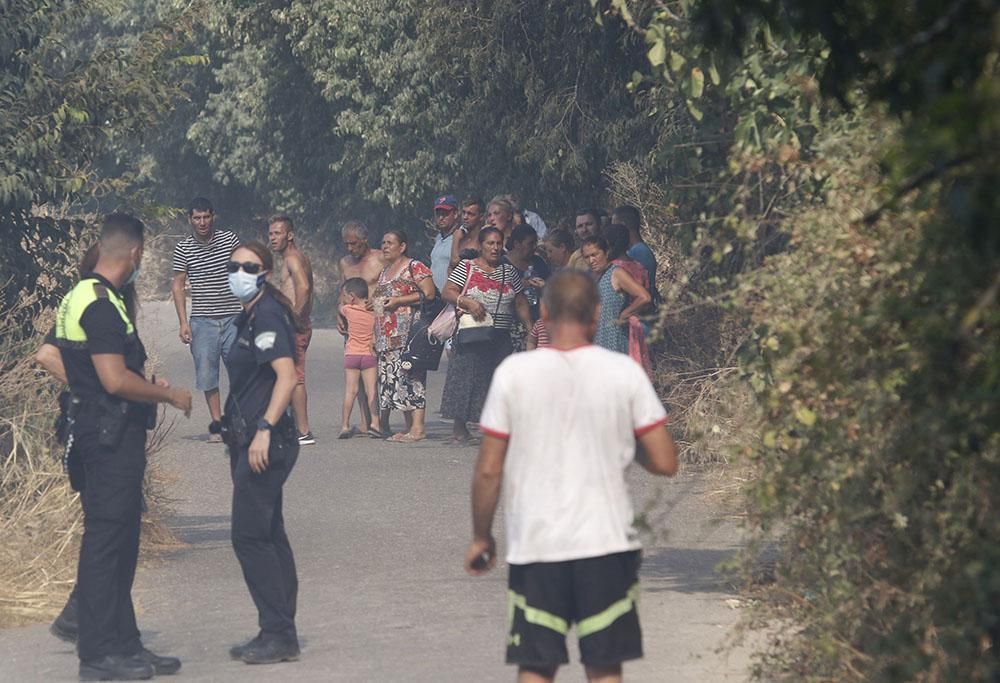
[267, 261]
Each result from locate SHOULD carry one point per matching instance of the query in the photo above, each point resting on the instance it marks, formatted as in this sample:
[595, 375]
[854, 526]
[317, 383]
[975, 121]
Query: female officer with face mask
[263, 448]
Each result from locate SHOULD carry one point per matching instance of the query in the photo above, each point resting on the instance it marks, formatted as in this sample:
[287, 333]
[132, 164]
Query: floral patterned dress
[399, 389]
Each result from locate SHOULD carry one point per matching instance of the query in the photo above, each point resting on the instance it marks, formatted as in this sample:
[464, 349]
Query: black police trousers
[112, 509]
[259, 538]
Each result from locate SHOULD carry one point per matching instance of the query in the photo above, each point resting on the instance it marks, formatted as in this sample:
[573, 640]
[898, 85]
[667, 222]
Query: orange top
[360, 330]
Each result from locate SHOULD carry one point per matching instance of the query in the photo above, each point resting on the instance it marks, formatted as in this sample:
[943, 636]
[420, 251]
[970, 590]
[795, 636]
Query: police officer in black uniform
[263, 447]
[103, 360]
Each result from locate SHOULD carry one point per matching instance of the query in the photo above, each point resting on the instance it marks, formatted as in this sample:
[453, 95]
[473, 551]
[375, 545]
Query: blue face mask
[245, 286]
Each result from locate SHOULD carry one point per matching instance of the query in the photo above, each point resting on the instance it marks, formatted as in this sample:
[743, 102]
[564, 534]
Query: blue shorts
[211, 339]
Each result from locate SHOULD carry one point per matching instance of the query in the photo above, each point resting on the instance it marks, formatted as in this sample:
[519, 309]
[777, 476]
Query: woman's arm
[463, 302]
[426, 286]
[281, 396]
[621, 280]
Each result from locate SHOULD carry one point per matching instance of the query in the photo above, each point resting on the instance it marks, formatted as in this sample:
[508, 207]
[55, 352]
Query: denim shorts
[211, 339]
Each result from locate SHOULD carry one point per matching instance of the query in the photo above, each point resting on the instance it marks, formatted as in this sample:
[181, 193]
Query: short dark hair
[561, 238]
[597, 241]
[519, 234]
[122, 225]
[629, 216]
[616, 235]
[281, 218]
[571, 295]
[356, 286]
[475, 201]
[590, 211]
[200, 204]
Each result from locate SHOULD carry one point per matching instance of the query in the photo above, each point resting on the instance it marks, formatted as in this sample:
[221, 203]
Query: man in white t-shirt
[560, 427]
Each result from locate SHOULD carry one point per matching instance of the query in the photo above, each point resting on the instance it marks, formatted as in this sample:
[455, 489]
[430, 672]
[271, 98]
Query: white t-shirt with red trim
[571, 419]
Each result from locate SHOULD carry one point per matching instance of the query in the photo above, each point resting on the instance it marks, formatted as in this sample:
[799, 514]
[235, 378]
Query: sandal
[374, 433]
[457, 441]
[346, 433]
[404, 437]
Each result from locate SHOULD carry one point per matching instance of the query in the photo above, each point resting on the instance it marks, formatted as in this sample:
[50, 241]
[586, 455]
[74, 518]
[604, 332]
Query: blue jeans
[211, 339]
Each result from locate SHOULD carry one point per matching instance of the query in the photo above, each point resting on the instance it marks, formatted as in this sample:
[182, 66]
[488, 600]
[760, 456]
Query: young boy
[360, 364]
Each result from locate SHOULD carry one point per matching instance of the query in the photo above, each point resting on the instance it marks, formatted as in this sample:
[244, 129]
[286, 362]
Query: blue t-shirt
[641, 252]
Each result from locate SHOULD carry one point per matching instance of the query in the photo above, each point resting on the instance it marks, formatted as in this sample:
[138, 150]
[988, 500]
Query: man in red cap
[447, 218]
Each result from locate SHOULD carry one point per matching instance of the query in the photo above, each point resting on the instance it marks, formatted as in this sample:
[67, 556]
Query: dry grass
[40, 515]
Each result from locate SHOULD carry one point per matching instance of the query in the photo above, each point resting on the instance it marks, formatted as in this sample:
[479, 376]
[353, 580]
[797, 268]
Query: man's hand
[185, 333]
[477, 550]
[258, 450]
[179, 398]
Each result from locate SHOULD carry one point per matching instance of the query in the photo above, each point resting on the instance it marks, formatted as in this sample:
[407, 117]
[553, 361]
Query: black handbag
[421, 351]
[482, 334]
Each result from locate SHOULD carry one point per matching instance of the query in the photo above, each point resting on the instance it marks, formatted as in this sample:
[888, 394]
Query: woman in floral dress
[395, 300]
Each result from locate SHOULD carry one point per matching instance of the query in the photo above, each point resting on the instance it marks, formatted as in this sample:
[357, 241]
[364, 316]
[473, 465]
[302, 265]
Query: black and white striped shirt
[496, 291]
[205, 266]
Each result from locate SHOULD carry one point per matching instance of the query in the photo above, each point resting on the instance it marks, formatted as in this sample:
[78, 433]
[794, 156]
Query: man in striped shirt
[201, 258]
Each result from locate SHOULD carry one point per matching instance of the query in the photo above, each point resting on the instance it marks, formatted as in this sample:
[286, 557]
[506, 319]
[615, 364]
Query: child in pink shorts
[360, 364]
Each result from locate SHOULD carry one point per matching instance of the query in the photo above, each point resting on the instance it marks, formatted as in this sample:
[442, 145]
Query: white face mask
[245, 286]
[131, 278]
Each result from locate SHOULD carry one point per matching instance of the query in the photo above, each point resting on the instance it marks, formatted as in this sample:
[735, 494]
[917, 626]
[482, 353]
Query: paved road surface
[378, 530]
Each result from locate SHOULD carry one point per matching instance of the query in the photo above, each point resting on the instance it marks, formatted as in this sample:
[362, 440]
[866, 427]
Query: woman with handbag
[488, 296]
[401, 287]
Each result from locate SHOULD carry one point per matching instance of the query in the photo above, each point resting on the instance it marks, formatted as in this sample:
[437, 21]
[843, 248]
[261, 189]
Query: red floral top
[393, 327]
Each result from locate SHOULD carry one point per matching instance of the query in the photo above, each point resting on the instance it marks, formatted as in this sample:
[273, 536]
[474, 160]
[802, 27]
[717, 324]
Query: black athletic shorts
[598, 594]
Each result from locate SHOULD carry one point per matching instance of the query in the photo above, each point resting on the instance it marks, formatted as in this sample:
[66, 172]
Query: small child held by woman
[360, 364]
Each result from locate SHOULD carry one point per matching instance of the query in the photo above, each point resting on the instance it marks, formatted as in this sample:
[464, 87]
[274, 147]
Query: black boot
[65, 626]
[271, 651]
[236, 651]
[163, 666]
[115, 668]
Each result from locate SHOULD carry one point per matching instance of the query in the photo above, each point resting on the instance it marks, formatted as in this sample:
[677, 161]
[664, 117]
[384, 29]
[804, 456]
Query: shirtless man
[473, 220]
[293, 276]
[366, 263]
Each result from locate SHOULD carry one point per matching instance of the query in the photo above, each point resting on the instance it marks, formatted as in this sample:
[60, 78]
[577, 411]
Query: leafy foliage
[61, 107]
[875, 349]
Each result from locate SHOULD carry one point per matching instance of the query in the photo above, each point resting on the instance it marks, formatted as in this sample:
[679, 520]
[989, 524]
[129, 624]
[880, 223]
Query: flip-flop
[457, 441]
[346, 434]
[374, 433]
[404, 438]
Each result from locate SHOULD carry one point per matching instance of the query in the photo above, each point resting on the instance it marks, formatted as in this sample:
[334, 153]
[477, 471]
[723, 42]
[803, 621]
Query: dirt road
[379, 530]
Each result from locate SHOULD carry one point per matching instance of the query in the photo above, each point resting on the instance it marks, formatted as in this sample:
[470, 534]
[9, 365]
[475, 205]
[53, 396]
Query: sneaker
[116, 668]
[162, 666]
[215, 432]
[271, 651]
[307, 439]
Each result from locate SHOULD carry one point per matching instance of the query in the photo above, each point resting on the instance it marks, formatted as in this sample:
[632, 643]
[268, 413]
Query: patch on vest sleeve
[265, 340]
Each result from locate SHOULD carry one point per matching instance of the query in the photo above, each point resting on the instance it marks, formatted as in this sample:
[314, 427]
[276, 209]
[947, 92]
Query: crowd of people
[490, 261]
[492, 265]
